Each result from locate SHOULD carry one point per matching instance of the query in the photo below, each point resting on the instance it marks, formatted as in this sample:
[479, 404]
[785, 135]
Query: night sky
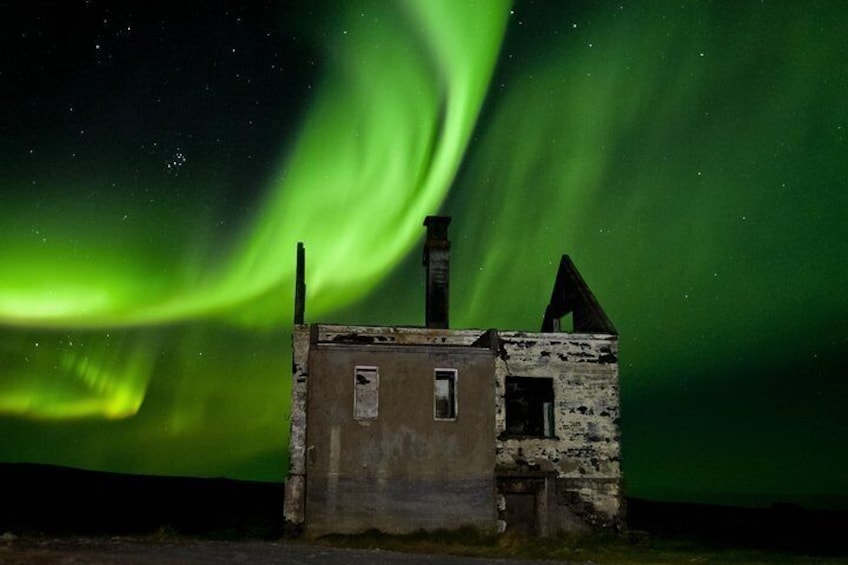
[159, 163]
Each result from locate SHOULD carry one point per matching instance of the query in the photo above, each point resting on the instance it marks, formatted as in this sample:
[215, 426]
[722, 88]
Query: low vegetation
[635, 547]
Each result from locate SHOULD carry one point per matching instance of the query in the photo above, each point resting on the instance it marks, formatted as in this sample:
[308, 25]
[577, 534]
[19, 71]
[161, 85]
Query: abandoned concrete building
[408, 428]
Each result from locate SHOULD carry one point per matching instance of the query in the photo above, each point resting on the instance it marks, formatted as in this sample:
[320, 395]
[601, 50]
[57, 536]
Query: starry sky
[159, 163]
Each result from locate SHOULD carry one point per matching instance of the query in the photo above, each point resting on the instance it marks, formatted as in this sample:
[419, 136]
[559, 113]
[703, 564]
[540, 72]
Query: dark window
[529, 406]
[366, 393]
[444, 394]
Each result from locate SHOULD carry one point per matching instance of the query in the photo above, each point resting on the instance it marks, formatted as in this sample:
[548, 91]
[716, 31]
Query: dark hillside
[57, 500]
[41, 499]
[780, 527]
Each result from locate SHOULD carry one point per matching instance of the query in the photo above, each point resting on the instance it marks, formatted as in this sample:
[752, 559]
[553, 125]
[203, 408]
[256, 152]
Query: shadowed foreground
[122, 551]
[57, 515]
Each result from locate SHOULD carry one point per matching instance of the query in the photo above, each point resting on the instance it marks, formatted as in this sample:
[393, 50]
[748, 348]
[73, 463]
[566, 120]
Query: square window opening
[530, 407]
[444, 394]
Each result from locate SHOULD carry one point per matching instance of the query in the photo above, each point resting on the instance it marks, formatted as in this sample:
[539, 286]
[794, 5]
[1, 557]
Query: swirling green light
[377, 151]
[690, 158]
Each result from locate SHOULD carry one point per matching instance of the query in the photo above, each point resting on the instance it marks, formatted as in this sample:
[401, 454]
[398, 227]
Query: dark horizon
[49, 499]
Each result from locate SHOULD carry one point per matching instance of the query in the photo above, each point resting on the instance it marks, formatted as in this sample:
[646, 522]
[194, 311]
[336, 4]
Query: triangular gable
[571, 295]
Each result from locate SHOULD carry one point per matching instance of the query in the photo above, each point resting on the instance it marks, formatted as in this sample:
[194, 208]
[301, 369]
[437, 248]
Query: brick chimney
[437, 263]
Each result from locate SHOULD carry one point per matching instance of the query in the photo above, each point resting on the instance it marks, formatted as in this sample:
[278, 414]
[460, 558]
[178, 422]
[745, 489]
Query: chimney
[437, 263]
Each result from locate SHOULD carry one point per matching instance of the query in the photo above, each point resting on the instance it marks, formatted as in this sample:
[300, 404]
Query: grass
[599, 548]
[592, 548]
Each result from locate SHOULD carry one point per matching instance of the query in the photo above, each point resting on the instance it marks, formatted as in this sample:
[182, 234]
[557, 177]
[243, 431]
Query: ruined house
[407, 428]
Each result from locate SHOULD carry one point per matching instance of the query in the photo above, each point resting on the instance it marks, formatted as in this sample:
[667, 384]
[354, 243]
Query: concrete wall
[584, 457]
[294, 506]
[402, 470]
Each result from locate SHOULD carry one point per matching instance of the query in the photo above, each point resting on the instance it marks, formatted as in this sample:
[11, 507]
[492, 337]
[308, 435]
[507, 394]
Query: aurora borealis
[157, 166]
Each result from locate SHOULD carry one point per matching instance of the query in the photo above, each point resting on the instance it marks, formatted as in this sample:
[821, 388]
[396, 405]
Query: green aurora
[690, 157]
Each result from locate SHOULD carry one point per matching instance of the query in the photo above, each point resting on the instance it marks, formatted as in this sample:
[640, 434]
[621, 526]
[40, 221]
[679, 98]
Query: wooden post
[300, 285]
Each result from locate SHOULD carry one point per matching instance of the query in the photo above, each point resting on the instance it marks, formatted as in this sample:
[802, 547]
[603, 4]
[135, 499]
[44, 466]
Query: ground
[137, 551]
[354, 550]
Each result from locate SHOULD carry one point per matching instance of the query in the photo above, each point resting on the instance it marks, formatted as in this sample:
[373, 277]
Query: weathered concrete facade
[406, 428]
[574, 474]
[393, 465]
[404, 470]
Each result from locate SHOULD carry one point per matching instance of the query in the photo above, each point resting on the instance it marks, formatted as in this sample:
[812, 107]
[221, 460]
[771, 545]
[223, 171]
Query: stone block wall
[584, 454]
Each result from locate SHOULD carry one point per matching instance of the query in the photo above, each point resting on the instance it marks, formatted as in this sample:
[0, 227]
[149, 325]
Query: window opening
[565, 324]
[530, 407]
[366, 393]
[445, 394]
